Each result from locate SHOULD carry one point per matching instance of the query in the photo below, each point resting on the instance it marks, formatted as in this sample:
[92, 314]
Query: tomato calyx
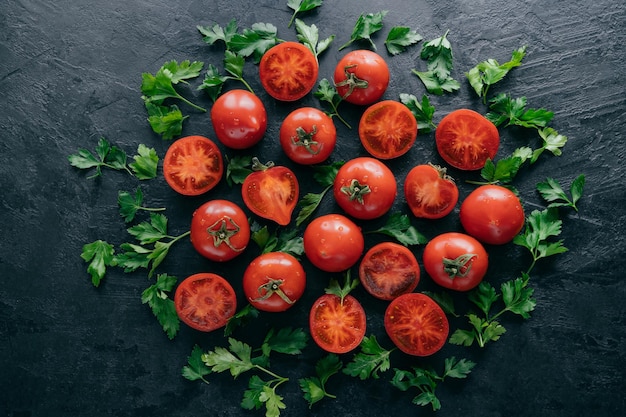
[259, 166]
[351, 81]
[271, 287]
[222, 230]
[356, 190]
[305, 139]
[458, 267]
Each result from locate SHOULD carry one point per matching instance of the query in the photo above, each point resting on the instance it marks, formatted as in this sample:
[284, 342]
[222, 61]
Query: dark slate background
[70, 73]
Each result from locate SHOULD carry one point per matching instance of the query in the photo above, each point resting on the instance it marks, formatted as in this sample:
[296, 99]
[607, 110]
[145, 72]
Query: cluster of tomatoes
[364, 188]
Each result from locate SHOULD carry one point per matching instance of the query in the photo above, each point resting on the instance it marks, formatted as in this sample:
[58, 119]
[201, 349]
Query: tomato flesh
[389, 270]
[271, 193]
[416, 324]
[205, 301]
[429, 192]
[193, 165]
[466, 139]
[288, 71]
[335, 326]
[387, 129]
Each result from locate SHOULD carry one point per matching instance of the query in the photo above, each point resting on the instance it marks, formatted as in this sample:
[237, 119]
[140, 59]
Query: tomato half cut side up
[466, 139]
[387, 129]
[193, 165]
[288, 71]
[205, 301]
[416, 324]
[337, 327]
[389, 270]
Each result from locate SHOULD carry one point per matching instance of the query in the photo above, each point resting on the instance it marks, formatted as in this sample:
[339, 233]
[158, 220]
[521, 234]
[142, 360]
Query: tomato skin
[465, 139]
[371, 73]
[492, 214]
[274, 281]
[271, 192]
[389, 270]
[333, 242]
[288, 71]
[239, 119]
[429, 192]
[416, 324]
[443, 264]
[220, 230]
[387, 129]
[337, 327]
[205, 301]
[308, 136]
[365, 188]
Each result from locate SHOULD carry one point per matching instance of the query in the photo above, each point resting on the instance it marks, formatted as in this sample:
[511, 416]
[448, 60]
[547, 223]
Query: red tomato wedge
[465, 139]
[205, 301]
[388, 270]
[387, 129]
[429, 192]
[193, 165]
[337, 327]
[416, 324]
[271, 192]
[288, 71]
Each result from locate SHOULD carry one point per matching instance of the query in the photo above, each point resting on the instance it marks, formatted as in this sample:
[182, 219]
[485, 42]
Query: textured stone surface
[70, 72]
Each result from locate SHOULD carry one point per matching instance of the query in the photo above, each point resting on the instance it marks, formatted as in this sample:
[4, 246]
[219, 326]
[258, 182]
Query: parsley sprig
[309, 37]
[438, 56]
[553, 193]
[489, 72]
[371, 360]
[401, 37]
[365, 26]
[301, 6]
[214, 81]
[162, 306]
[326, 92]
[422, 110]
[130, 204]
[399, 227]
[324, 175]
[314, 387]
[249, 42]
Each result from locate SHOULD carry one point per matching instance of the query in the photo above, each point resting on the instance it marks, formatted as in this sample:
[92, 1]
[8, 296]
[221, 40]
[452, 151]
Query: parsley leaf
[145, 163]
[156, 296]
[327, 93]
[314, 388]
[255, 41]
[325, 176]
[366, 25]
[196, 368]
[301, 6]
[212, 35]
[540, 227]
[106, 156]
[99, 254]
[552, 141]
[287, 340]
[552, 192]
[165, 121]
[423, 111]
[213, 81]
[514, 112]
[309, 36]
[399, 226]
[160, 86]
[129, 204]
[438, 55]
[489, 72]
[240, 318]
[237, 169]
[399, 38]
[280, 241]
[371, 360]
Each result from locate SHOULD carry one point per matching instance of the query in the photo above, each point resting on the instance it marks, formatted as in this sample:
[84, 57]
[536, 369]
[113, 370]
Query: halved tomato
[387, 129]
[288, 71]
[336, 326]
[429, 192]
[388, 270]
[193, 165]
[416, 324]
[465, 139]
[271, 192]
[205, 301]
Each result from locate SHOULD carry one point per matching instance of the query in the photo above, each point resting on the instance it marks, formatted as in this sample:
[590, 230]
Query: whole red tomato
[387, 129]
[308, 136]
[492, 214]
[239, 119]
[288, 71]
[219, 230]
[429, 192]
[274, 281]
[455, 261]
[361, 77]
[365, 188]
[333, 243]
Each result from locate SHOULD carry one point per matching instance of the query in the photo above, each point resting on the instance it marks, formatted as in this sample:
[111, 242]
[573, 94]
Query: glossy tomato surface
[416, 324]
[492, 214]
[308, 136]
[387, 129]
[288, 71]
[361, 77]
[455, 260]
[388, 270]
[365, 188]
[466, 139]
[274, 281]
[337, 326]
[239, 119]
[219, 230]
[333, 242]
[193, 165]
[429, 192]
[205, 301]
[271, 192]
